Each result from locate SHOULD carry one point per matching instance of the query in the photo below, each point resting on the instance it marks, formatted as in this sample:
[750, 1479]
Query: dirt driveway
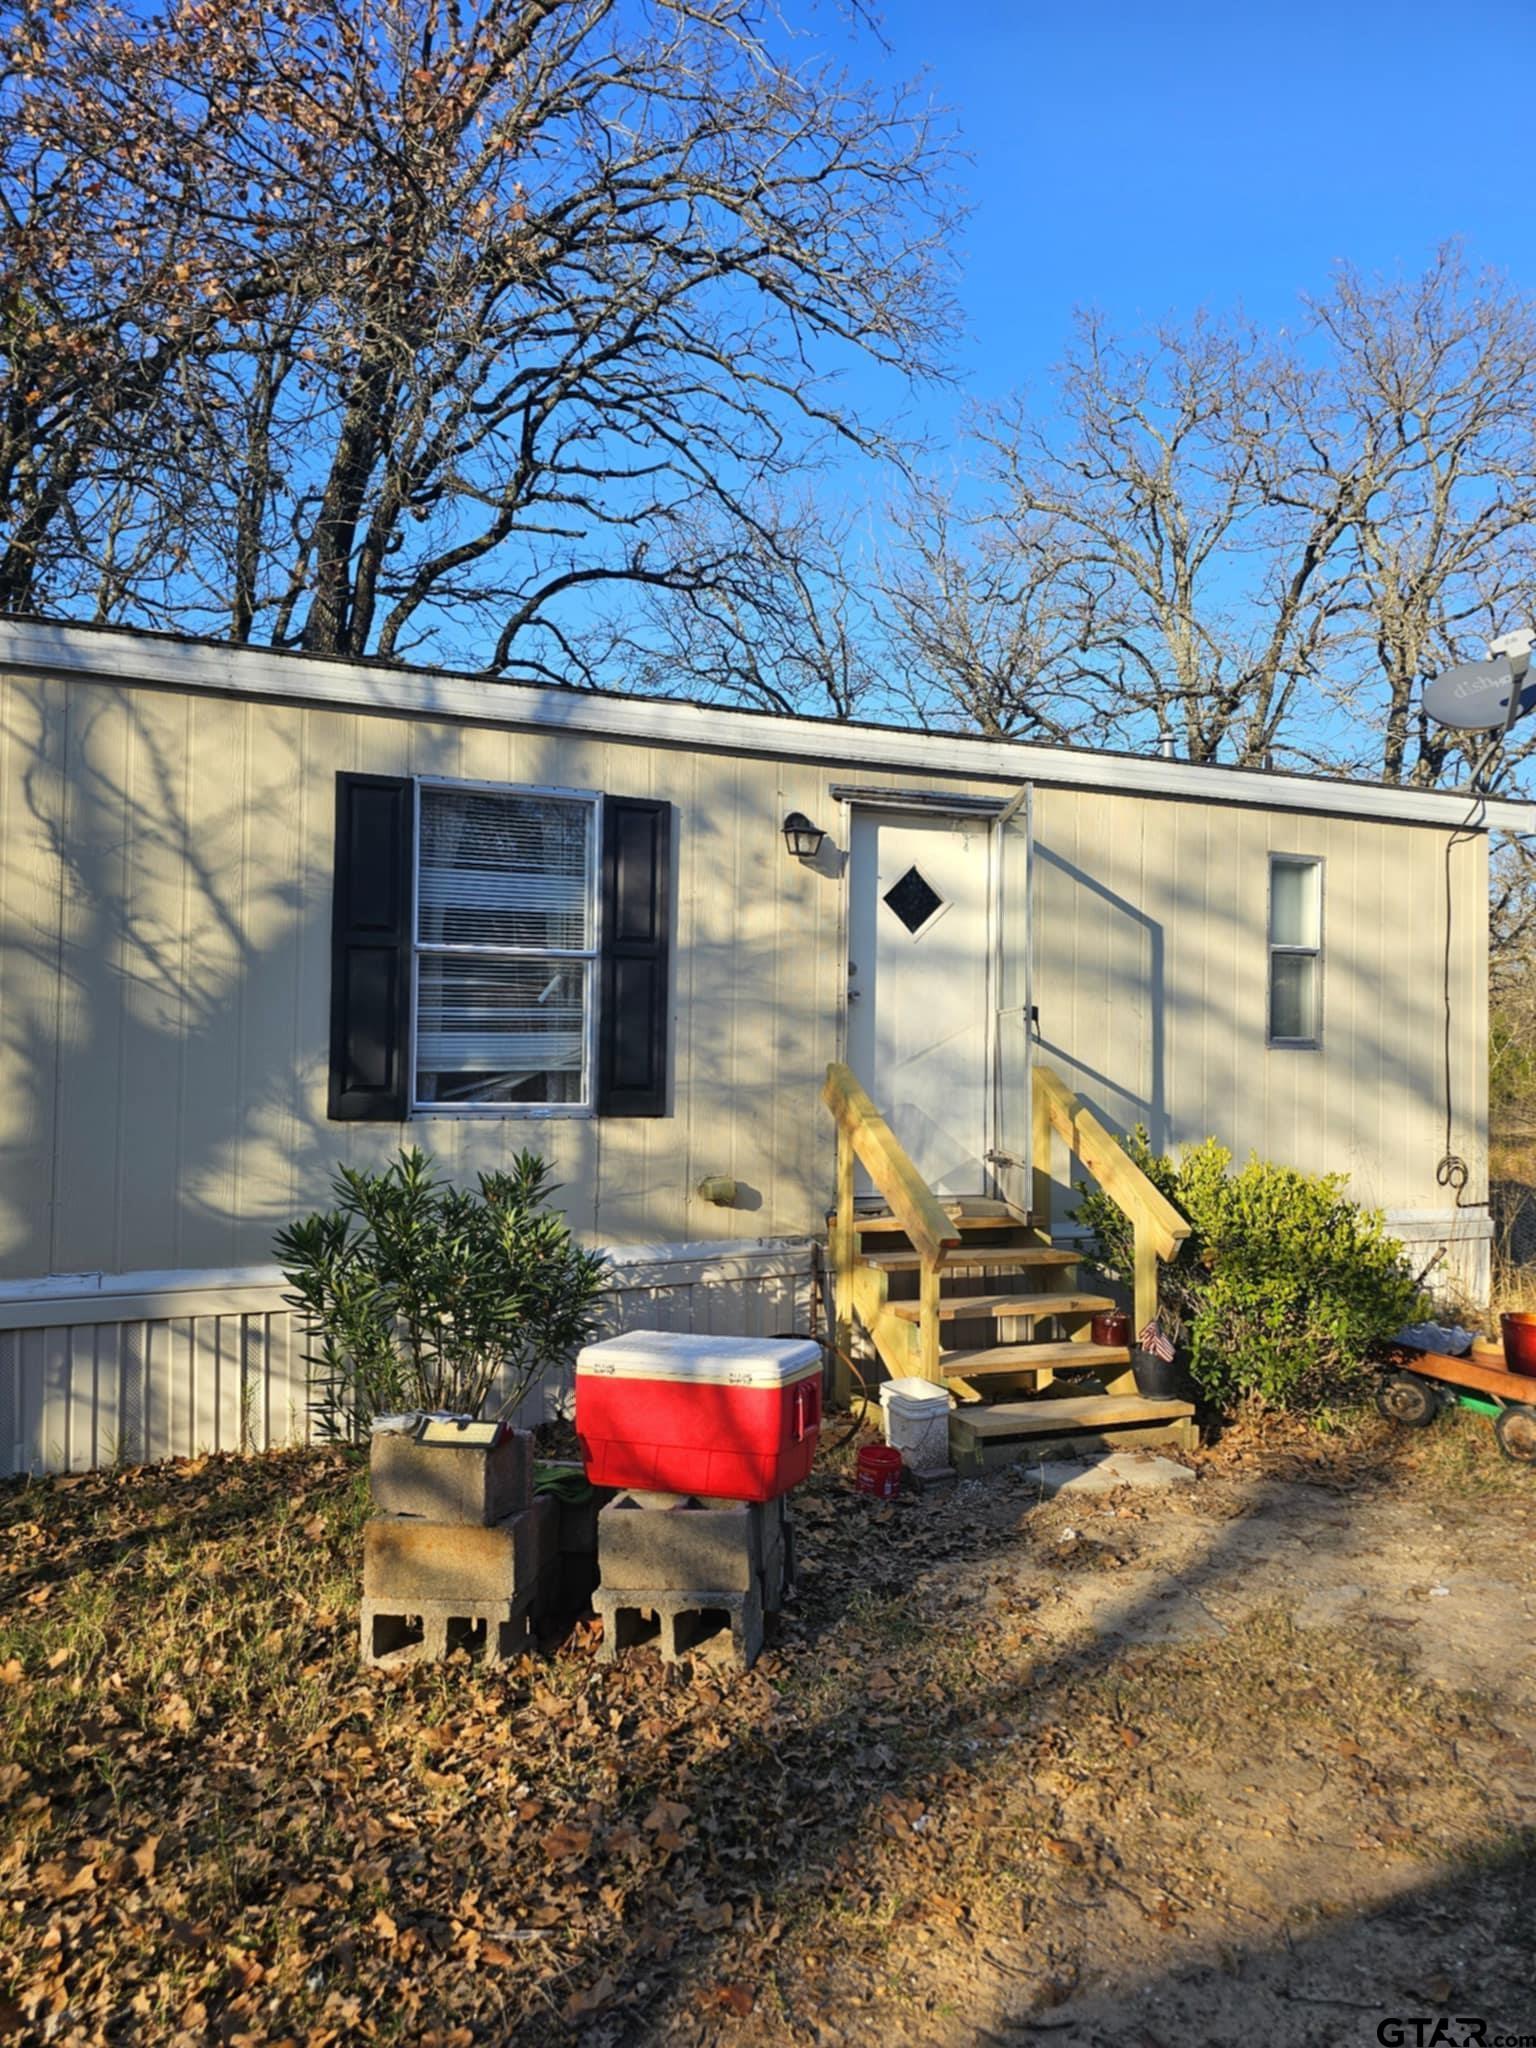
[1324, 1686]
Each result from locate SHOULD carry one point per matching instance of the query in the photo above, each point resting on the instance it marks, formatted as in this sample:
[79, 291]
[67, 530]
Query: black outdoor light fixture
[802, 837]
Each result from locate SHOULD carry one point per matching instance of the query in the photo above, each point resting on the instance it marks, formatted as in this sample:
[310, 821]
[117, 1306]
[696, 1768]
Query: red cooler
[736, 1417]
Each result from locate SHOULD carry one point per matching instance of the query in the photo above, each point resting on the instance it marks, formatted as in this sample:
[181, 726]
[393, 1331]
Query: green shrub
[415, 1295]
[1282, 1285]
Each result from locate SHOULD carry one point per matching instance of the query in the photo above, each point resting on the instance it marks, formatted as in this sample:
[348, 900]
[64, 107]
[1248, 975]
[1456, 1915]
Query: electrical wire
[1452, 1171]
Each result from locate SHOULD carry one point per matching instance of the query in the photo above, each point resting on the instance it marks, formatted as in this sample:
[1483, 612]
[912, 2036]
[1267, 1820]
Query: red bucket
[1519, 1333]
[1112, 1326]
[879, 1473]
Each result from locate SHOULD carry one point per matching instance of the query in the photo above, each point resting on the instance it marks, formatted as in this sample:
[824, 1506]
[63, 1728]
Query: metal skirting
[133, 1368]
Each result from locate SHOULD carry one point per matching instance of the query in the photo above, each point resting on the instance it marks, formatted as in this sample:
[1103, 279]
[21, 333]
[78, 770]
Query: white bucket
[916, 1417]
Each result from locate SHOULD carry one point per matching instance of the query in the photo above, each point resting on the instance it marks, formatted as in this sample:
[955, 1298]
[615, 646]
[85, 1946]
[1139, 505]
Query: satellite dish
[1476, 696]
[1481, 695]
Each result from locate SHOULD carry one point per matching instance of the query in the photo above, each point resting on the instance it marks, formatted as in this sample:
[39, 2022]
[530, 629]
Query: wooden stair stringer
[897, 1343]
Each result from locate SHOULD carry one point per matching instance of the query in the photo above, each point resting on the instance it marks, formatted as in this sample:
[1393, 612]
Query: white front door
[920, 1011]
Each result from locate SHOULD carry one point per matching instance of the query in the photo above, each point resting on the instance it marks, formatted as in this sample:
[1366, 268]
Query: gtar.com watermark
[1443, 2030]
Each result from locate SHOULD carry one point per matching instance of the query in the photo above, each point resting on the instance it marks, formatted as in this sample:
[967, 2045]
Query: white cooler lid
[706, 1361]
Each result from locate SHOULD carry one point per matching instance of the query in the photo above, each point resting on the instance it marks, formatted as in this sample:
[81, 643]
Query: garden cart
[1419, 1384]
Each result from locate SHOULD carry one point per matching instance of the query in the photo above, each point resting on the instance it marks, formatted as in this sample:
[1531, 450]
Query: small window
[506, 947]
[1295, 950]
[914, 900]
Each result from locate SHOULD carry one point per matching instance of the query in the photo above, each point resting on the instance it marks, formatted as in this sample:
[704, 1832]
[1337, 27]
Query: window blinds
[504, 890]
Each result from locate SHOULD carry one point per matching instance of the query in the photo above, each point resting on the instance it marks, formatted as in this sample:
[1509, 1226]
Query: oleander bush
[417, 1295]
[1283, 1284]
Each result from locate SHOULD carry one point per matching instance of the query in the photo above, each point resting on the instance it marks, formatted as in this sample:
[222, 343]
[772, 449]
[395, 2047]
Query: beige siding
[165, 864]
[1151, 976]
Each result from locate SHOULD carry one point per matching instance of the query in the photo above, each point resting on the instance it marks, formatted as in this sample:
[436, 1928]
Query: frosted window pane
[1293, 995]
[1293, 903]
[490, 1030]
[500, 870]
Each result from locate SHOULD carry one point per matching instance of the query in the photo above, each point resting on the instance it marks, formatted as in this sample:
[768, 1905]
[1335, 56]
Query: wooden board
[1000, 1255]
[1110, 1164]
[900, 1184]
[1055, 1416]
[963, 1219]
[1032, 1358]
[1481, 1379]
[983, 1454]
[1018, 1308]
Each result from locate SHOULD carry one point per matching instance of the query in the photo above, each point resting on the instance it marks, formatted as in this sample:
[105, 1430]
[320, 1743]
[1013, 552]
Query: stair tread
[998, 1255]
[1051, 1414]
[1019, 1306]
[967, 1216]
[1022, 1357]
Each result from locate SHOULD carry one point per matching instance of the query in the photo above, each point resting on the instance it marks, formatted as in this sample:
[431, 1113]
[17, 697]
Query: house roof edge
[130, 656]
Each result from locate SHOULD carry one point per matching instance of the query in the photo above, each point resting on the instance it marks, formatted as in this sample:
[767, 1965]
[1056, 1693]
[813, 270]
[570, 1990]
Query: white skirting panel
[102, 1369]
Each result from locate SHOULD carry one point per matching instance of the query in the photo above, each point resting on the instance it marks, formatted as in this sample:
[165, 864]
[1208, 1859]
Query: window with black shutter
[498, 951]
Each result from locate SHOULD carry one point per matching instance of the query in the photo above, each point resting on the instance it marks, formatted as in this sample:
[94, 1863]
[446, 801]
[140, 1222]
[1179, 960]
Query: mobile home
[261, 914]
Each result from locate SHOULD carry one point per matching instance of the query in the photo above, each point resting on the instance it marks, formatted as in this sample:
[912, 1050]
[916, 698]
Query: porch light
[802, 837]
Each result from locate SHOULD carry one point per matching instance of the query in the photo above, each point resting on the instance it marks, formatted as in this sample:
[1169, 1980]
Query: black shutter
[637, 913]
[371, 950]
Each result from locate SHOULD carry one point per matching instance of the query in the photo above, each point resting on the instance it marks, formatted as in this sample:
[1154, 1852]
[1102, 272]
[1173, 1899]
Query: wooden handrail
[864, 1136]
[895, 1177]
[1159, 1228]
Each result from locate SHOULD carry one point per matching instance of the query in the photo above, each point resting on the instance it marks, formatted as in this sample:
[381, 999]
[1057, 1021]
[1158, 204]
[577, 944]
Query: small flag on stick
[1153, 1340]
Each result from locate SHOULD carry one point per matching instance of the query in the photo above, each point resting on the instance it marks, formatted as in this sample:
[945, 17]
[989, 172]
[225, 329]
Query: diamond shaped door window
[914, 900]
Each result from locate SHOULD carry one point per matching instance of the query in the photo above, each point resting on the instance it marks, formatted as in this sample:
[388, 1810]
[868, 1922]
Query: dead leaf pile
[216, 1827]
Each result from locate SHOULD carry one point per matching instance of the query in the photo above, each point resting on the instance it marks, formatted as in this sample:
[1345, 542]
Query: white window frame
[1316, 952]
[591, 954]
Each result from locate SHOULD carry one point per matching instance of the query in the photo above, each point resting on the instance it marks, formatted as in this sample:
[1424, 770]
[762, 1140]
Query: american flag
[1153, 1340]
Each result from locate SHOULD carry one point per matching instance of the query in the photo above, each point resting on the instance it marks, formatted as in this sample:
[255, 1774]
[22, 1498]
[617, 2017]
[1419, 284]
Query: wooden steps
[1025, 1257]
[1020, 1359]
[997, 1242]
[1011, 1432]
[912, 1270]
[1013, 1308]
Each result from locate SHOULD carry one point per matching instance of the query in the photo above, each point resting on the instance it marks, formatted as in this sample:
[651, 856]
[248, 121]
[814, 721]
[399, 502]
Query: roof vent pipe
[1165, 746]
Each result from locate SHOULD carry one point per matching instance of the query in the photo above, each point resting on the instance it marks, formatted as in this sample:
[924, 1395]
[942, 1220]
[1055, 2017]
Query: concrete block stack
[459, 1555]
[694, 1574]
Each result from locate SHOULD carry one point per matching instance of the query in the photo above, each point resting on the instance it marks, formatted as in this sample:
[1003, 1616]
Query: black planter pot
[1162, 1379]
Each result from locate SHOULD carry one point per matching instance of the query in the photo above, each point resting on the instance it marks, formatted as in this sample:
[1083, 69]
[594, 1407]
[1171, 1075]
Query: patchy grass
[215, 1826]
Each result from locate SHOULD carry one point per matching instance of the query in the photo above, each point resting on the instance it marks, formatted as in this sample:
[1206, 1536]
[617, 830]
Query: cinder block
[682, 1544]
[407, 1561]
[490, 1632]
[450, 1483]
[712, 1623]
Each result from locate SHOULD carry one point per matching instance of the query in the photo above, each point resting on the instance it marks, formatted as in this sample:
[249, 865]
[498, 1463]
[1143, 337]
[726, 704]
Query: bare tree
[774, 618]
[976, 633]
[1176, 596]
[470, 312]
[1249, 546]
[1436, 389]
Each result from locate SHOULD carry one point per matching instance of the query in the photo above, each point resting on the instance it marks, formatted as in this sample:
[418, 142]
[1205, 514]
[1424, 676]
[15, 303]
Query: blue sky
[1152, 158]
